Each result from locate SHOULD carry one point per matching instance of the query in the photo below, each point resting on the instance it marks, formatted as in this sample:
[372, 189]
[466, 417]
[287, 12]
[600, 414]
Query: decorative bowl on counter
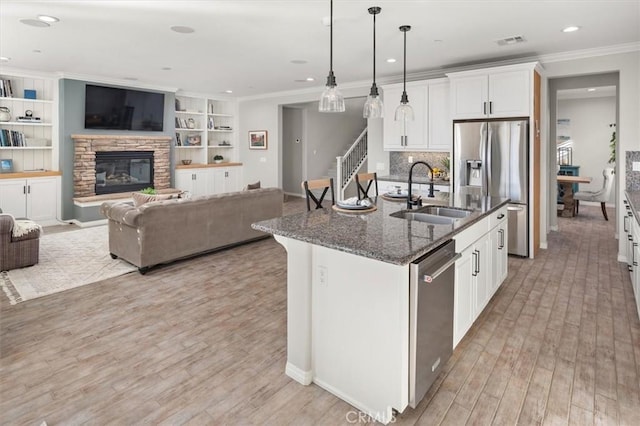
[186, 162]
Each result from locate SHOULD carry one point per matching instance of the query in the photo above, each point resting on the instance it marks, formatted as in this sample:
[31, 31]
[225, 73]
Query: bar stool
[369, 179]
[324, 184]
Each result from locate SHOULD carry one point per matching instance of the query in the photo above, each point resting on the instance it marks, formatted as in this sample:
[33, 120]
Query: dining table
[567, 185]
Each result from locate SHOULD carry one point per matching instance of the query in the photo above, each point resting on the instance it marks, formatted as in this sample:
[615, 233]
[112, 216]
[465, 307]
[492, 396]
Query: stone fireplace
[84, 165]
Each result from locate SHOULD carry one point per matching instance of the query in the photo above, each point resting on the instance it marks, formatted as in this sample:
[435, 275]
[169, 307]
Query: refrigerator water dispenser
[474, 173]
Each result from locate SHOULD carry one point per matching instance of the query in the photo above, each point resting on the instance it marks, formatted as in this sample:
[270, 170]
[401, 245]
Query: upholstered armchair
[18, 247]
[601, 196]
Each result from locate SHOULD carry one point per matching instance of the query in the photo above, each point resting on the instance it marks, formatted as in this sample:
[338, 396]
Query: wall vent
[510, 40]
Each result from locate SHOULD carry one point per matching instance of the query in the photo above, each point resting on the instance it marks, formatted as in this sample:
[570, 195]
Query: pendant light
[331, 99]
[404, 112]
[373, 105]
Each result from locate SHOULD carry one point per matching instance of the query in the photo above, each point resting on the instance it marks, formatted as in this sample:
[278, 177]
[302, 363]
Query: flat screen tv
[111, 108]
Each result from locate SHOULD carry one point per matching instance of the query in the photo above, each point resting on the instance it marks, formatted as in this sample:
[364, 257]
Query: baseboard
[553, 227]
[88, 224]
[622, 258]
[543, 246]
[300, 376]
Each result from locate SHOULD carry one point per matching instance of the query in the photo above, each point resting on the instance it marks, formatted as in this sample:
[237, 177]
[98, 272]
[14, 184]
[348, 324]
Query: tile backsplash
[632, 178]
[399, 161]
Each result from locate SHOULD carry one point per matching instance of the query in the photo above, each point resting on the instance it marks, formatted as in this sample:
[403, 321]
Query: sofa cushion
[139, 198]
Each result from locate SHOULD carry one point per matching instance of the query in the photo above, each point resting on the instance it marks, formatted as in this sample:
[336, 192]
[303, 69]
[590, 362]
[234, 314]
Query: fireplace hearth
[123, 171]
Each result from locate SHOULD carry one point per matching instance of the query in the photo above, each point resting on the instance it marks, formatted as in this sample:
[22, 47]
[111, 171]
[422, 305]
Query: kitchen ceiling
[251, 47]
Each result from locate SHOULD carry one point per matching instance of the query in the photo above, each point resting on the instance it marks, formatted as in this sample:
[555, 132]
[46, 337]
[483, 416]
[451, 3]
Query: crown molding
[441, 72]
[590, 53]
[27, 73]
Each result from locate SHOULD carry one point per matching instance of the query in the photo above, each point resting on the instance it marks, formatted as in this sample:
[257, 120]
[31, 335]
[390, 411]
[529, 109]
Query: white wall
[628, 66]
[264, 114]
[590, 133]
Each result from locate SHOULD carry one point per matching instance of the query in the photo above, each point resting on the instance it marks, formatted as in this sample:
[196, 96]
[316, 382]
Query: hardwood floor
[204, 342]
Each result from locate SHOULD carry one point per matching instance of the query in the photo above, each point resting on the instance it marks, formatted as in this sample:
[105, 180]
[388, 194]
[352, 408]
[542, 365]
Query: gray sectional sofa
[163, 231]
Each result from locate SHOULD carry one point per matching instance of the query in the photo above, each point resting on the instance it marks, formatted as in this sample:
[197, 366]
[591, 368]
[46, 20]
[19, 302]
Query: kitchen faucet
[418, 201]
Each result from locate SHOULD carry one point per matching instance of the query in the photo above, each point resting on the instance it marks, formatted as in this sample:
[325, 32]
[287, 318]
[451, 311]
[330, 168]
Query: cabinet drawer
[470, 235]
[498, 216]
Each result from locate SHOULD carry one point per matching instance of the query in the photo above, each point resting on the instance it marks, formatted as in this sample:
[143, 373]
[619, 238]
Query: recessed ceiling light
[37, 51]
[228, 91]
[570, 29]
[298, 61]
[5, 58]
[311, 79]
[391, 60]
[591, 90]
[131, 78]
[48, 18]
[182, 29]
[437, 40]
[34, 23]
[166, 68]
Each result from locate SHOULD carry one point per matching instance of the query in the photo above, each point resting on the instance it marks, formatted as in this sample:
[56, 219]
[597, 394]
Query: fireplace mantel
[86, 146]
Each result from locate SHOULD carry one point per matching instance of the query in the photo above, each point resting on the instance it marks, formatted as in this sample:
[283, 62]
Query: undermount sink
[433, 214]
[444, 211]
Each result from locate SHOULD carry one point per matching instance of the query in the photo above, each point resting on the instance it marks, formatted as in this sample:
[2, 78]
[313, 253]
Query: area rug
[67, 260]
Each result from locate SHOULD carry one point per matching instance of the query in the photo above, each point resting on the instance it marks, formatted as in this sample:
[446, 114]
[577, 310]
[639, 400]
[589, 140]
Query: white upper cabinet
[431, 128]
[397, 136]
[492, 93]
[440, 126]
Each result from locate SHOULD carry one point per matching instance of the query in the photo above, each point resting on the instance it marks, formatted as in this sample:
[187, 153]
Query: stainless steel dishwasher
[431, 285]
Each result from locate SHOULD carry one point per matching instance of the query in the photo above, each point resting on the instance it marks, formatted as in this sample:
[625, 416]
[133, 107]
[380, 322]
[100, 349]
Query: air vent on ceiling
[510, 40]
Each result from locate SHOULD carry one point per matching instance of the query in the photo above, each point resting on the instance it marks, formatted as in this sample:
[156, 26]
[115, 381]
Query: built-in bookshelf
[205, 127]
[29, 137]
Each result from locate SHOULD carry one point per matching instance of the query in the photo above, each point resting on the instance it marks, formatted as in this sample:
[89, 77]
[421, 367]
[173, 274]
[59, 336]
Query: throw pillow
[253, 186]
[139, 198]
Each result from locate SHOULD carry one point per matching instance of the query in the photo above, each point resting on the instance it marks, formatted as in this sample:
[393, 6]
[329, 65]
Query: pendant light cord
[331, 79]
[374, 49]
[405, 98]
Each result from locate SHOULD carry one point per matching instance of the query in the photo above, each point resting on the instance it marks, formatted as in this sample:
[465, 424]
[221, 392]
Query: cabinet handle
[24, 190]
[475, 263]
[478, 271]
[624, 221]
[28, 189]
[501, 242]
[490, 107]
[501, 215]
[484, 107]
[633, 255]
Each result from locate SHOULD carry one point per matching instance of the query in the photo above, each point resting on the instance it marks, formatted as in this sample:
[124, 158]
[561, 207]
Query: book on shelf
[12, 138]
[6, 91]
[178, 139]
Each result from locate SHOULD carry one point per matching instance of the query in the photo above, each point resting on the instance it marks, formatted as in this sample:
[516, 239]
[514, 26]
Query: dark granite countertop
[377, 235]
[417, 179]
[634, 202]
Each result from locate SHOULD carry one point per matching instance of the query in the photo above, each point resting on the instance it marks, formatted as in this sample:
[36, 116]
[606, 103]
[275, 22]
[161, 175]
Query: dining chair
[601, 196]
[318, 184]
[369, 179]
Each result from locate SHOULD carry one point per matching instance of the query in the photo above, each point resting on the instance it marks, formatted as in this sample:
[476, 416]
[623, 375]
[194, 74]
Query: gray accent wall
[71, 112]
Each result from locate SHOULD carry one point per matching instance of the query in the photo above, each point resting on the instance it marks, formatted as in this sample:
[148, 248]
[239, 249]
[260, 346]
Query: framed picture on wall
[6, 165]
[257, 139]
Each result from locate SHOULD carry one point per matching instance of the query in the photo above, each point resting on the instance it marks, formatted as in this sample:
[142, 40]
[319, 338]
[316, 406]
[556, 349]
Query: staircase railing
[347, 165]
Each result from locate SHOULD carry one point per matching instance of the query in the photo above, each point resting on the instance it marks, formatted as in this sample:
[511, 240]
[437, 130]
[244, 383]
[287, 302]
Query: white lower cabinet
[195, 181]
[209, 180]
[632, 229]
[480, 270]
[35, 198]
[226, 180]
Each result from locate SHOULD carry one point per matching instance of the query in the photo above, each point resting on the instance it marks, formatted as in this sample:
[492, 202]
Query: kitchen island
[348, 294]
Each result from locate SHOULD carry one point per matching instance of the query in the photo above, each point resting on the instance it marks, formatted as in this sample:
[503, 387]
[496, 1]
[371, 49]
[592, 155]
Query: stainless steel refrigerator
[492, 158]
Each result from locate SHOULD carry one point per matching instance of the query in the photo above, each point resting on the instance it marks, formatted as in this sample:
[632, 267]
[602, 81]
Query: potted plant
[148, 191]
[218, 159]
